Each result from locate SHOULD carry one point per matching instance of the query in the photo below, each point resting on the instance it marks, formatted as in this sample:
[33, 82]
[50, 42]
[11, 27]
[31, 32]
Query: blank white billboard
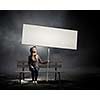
[49, 37]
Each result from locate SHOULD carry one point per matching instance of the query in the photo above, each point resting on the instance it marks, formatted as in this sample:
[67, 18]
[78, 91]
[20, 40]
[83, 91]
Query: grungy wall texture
[76, 64]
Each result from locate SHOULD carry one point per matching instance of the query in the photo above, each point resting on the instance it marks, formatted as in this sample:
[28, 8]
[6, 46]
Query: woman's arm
[42, 62]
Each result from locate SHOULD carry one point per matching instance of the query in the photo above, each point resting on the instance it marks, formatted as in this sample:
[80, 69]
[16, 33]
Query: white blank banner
[49, 37]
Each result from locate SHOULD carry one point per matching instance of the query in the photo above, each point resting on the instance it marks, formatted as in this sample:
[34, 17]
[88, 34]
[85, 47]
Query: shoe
[22, 81]
[35, 82]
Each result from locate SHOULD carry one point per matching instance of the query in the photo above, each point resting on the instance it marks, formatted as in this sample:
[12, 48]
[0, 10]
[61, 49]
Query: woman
[33, 61]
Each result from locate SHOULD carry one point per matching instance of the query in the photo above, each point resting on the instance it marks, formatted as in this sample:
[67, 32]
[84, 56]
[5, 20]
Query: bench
[23, 68]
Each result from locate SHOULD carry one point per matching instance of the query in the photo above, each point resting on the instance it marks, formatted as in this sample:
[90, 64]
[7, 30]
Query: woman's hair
[31, 49]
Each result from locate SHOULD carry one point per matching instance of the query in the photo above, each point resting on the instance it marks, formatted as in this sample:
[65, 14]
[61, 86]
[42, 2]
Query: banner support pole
[47, 78]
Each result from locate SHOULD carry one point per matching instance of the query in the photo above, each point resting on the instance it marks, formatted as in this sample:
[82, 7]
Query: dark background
[81, 64]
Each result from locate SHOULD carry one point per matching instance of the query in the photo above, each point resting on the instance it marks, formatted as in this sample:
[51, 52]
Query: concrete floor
[88, 83]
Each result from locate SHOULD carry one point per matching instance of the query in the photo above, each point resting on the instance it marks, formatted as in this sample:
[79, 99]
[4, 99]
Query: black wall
[78, 63]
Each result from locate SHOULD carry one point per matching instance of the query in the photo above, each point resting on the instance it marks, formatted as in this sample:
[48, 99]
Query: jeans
[34, 72]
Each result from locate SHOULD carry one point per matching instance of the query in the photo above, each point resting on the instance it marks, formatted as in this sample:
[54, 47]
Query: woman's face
[34, 51]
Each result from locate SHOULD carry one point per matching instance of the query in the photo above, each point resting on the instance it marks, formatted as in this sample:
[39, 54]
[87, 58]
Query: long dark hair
[31, 50]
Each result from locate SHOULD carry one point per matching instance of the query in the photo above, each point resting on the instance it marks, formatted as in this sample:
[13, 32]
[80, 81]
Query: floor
[9, 83]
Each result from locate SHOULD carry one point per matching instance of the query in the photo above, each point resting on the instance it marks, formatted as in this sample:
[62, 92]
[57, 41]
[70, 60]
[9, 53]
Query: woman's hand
[31, 66]
[48, 61]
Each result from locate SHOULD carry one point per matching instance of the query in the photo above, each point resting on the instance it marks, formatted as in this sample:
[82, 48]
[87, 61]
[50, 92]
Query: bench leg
[23, 76]
[55, 76]
[20, 74]
[59, 79]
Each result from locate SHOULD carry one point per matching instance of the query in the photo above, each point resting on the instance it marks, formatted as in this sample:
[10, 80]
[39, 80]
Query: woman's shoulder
[37, 56]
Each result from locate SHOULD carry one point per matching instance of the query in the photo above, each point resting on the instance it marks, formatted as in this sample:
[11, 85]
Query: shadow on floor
[86, 83]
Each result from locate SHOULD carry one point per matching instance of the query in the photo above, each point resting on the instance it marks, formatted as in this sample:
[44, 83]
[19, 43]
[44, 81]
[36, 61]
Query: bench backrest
[24, 64]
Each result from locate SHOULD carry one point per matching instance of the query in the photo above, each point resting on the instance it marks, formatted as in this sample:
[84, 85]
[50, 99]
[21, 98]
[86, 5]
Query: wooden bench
[23, 68]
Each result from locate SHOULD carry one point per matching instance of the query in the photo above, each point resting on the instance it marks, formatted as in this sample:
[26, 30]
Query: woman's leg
[32, 72]
[36, 74]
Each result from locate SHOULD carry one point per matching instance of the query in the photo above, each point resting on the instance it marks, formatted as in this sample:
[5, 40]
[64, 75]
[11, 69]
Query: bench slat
[52, 65]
